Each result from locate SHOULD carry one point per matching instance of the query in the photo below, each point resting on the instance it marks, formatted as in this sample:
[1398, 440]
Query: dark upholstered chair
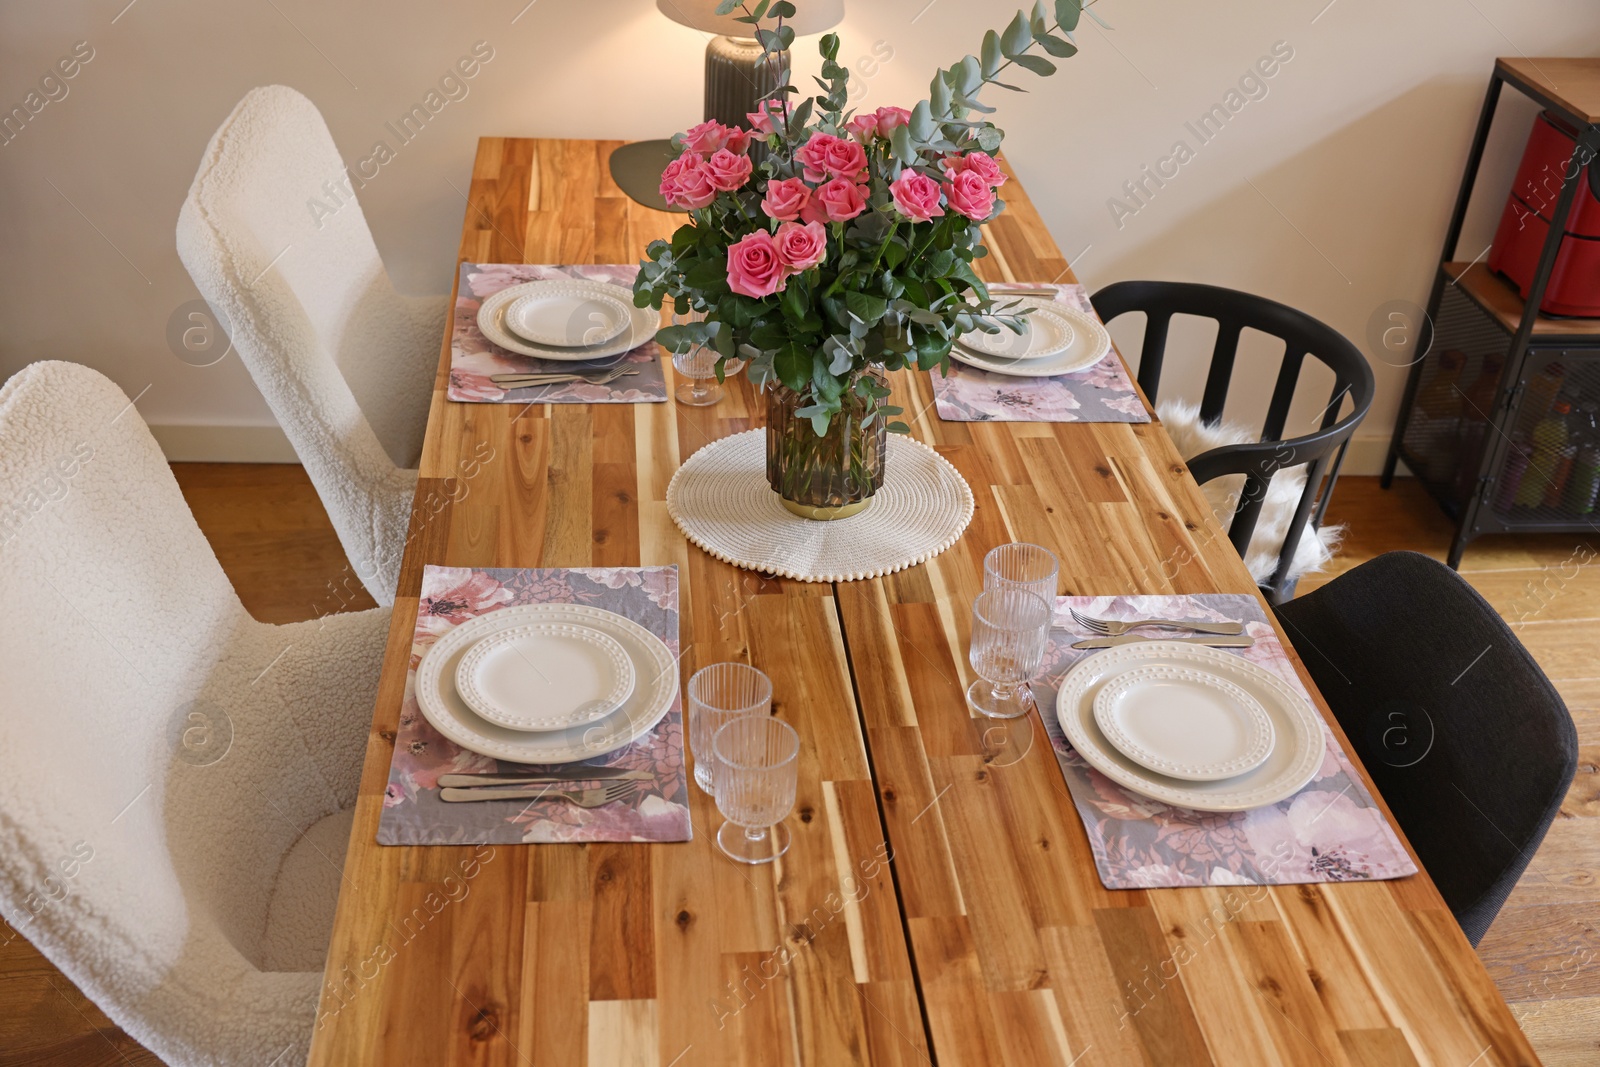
[1322, 450]
[1461, 731]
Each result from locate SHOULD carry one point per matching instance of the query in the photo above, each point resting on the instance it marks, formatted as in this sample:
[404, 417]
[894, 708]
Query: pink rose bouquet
[824, 244]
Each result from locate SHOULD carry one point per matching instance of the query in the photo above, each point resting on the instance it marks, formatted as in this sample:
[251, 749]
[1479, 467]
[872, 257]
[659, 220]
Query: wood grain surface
[939, 903]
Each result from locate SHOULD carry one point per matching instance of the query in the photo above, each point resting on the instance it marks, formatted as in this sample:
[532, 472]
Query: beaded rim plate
[642, 326]
[545, 676]
[1296, 754]
[567, 314]
[655, 689]
[1091, 343]
[1183, 723]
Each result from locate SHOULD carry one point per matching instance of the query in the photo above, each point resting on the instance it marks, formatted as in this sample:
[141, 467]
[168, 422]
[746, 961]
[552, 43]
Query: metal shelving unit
[1463, 423]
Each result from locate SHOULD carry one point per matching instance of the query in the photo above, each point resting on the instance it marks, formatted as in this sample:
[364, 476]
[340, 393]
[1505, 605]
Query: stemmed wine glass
[718, 694]
[1010, 628]
[698, 367]
[756, 771]
[1022, 566]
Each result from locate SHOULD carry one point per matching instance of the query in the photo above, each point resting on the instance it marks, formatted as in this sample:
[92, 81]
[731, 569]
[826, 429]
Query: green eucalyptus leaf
[1067, 12]
[783, 9]
[866, 307]
[792, 365]
[1018, 36]
[989, 138]
[939, 97]
[785, 36]
[726, 7]
[971, 76]
[993, 58]
[1038, 64]
[1057, 47]
[761, 11]
[921, 121]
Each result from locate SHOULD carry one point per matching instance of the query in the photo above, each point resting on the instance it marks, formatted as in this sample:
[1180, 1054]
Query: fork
[520, 381]
[583, 798]
[1116, 628]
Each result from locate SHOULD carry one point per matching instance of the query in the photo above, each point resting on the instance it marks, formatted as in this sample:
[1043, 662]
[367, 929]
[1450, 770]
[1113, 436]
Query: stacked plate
[1191, 726]
[571, 319]
[546, 683]
[1055, 339]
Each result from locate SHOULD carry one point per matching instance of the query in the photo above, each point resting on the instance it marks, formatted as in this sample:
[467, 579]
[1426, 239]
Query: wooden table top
[1567, 83]
[939, 902]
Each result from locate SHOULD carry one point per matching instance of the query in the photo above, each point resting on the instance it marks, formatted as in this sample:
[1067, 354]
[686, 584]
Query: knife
[575, 774]
[1132, 639]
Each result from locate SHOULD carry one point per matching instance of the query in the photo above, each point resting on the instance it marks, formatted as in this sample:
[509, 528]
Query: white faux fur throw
[1193, 437]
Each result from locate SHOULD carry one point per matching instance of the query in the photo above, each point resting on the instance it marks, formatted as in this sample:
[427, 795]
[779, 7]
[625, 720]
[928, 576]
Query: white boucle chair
[176, 779]
[273, 237]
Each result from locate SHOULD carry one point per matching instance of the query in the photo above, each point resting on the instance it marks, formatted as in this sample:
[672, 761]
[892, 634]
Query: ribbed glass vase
[832, 476]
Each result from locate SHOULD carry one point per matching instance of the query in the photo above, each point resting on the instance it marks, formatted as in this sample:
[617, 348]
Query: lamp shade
[811, 16]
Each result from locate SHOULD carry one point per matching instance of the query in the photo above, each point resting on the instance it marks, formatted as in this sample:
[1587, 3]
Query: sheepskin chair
[273, 237]
[1317, 546]
[177, 780]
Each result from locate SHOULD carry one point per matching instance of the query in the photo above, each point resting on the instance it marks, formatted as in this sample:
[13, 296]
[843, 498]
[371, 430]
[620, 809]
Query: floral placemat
[1102, 393]
[1330, 831]
[656, 810]
[473, 358]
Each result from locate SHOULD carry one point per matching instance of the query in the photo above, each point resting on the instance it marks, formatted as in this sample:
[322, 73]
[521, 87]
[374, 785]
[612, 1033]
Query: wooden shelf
[1496, 296]
[1571, 85]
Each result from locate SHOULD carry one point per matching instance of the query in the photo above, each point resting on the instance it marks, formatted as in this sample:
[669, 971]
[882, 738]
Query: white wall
[1358, 143]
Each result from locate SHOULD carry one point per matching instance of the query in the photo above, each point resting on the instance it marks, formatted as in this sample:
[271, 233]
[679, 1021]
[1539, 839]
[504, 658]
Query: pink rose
[710, 137]
[916, 196]
[970, 195]
[761, 121]
[754, 267]
[835, 201]
[826, 155]
[980, 163]
[801, 247]
[863, 127]
[728, 171]
[786, 198]
[890, 117]
[686, 182]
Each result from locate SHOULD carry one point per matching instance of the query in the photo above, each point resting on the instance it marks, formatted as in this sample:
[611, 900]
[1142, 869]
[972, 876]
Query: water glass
[718, 694]
[1022, 566]
[757, 765]
[698, 369]
[1010, 628]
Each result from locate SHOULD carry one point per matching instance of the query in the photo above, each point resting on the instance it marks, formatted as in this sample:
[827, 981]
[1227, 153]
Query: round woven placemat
[721, 501]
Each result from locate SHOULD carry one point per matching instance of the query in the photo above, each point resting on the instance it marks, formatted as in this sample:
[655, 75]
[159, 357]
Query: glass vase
[831, 476]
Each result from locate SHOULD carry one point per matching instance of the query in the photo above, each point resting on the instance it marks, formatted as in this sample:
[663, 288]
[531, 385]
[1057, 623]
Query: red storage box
[1574, 286]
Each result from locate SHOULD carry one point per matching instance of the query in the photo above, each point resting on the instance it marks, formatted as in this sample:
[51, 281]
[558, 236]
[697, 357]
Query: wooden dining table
[939, 902]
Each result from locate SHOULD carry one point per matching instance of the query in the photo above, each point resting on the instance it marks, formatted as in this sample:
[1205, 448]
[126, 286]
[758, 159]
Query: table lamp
[737, 77]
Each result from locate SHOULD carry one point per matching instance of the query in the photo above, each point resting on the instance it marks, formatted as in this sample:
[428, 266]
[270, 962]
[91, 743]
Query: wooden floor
[273, 539]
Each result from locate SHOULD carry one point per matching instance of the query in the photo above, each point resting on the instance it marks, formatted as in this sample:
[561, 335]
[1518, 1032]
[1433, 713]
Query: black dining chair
[1461, 731]
[1322, 450]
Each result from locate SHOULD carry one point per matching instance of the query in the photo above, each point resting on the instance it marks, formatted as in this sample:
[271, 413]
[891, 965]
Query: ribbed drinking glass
[757, 767]
[1009, 630]
[718, 694]
[1022, 566]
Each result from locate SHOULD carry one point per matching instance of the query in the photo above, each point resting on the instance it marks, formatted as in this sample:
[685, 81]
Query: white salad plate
[642, 325]
[655, 688]
[1297, 751]
[1045, 332]
[1087, 345]
[545, 676]
[1183, 722]
[567, 315]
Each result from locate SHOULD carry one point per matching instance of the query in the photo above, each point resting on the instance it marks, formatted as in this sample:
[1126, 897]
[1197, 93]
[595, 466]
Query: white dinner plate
[1046, 332]
[655, 688]
[1090, 343]
[545, 676]
[1183, 722]
[567, 315]
[642, 326]
[1297, 751]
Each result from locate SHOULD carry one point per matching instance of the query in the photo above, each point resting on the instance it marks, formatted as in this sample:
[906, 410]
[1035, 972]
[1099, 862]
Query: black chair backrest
[1322, 450]
[1464, 736]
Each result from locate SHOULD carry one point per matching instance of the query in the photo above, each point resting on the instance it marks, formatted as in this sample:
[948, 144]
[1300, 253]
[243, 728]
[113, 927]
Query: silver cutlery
[1209, 642]
[576, 774]
[523, 381]
[583, 798]
[1117, 627]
